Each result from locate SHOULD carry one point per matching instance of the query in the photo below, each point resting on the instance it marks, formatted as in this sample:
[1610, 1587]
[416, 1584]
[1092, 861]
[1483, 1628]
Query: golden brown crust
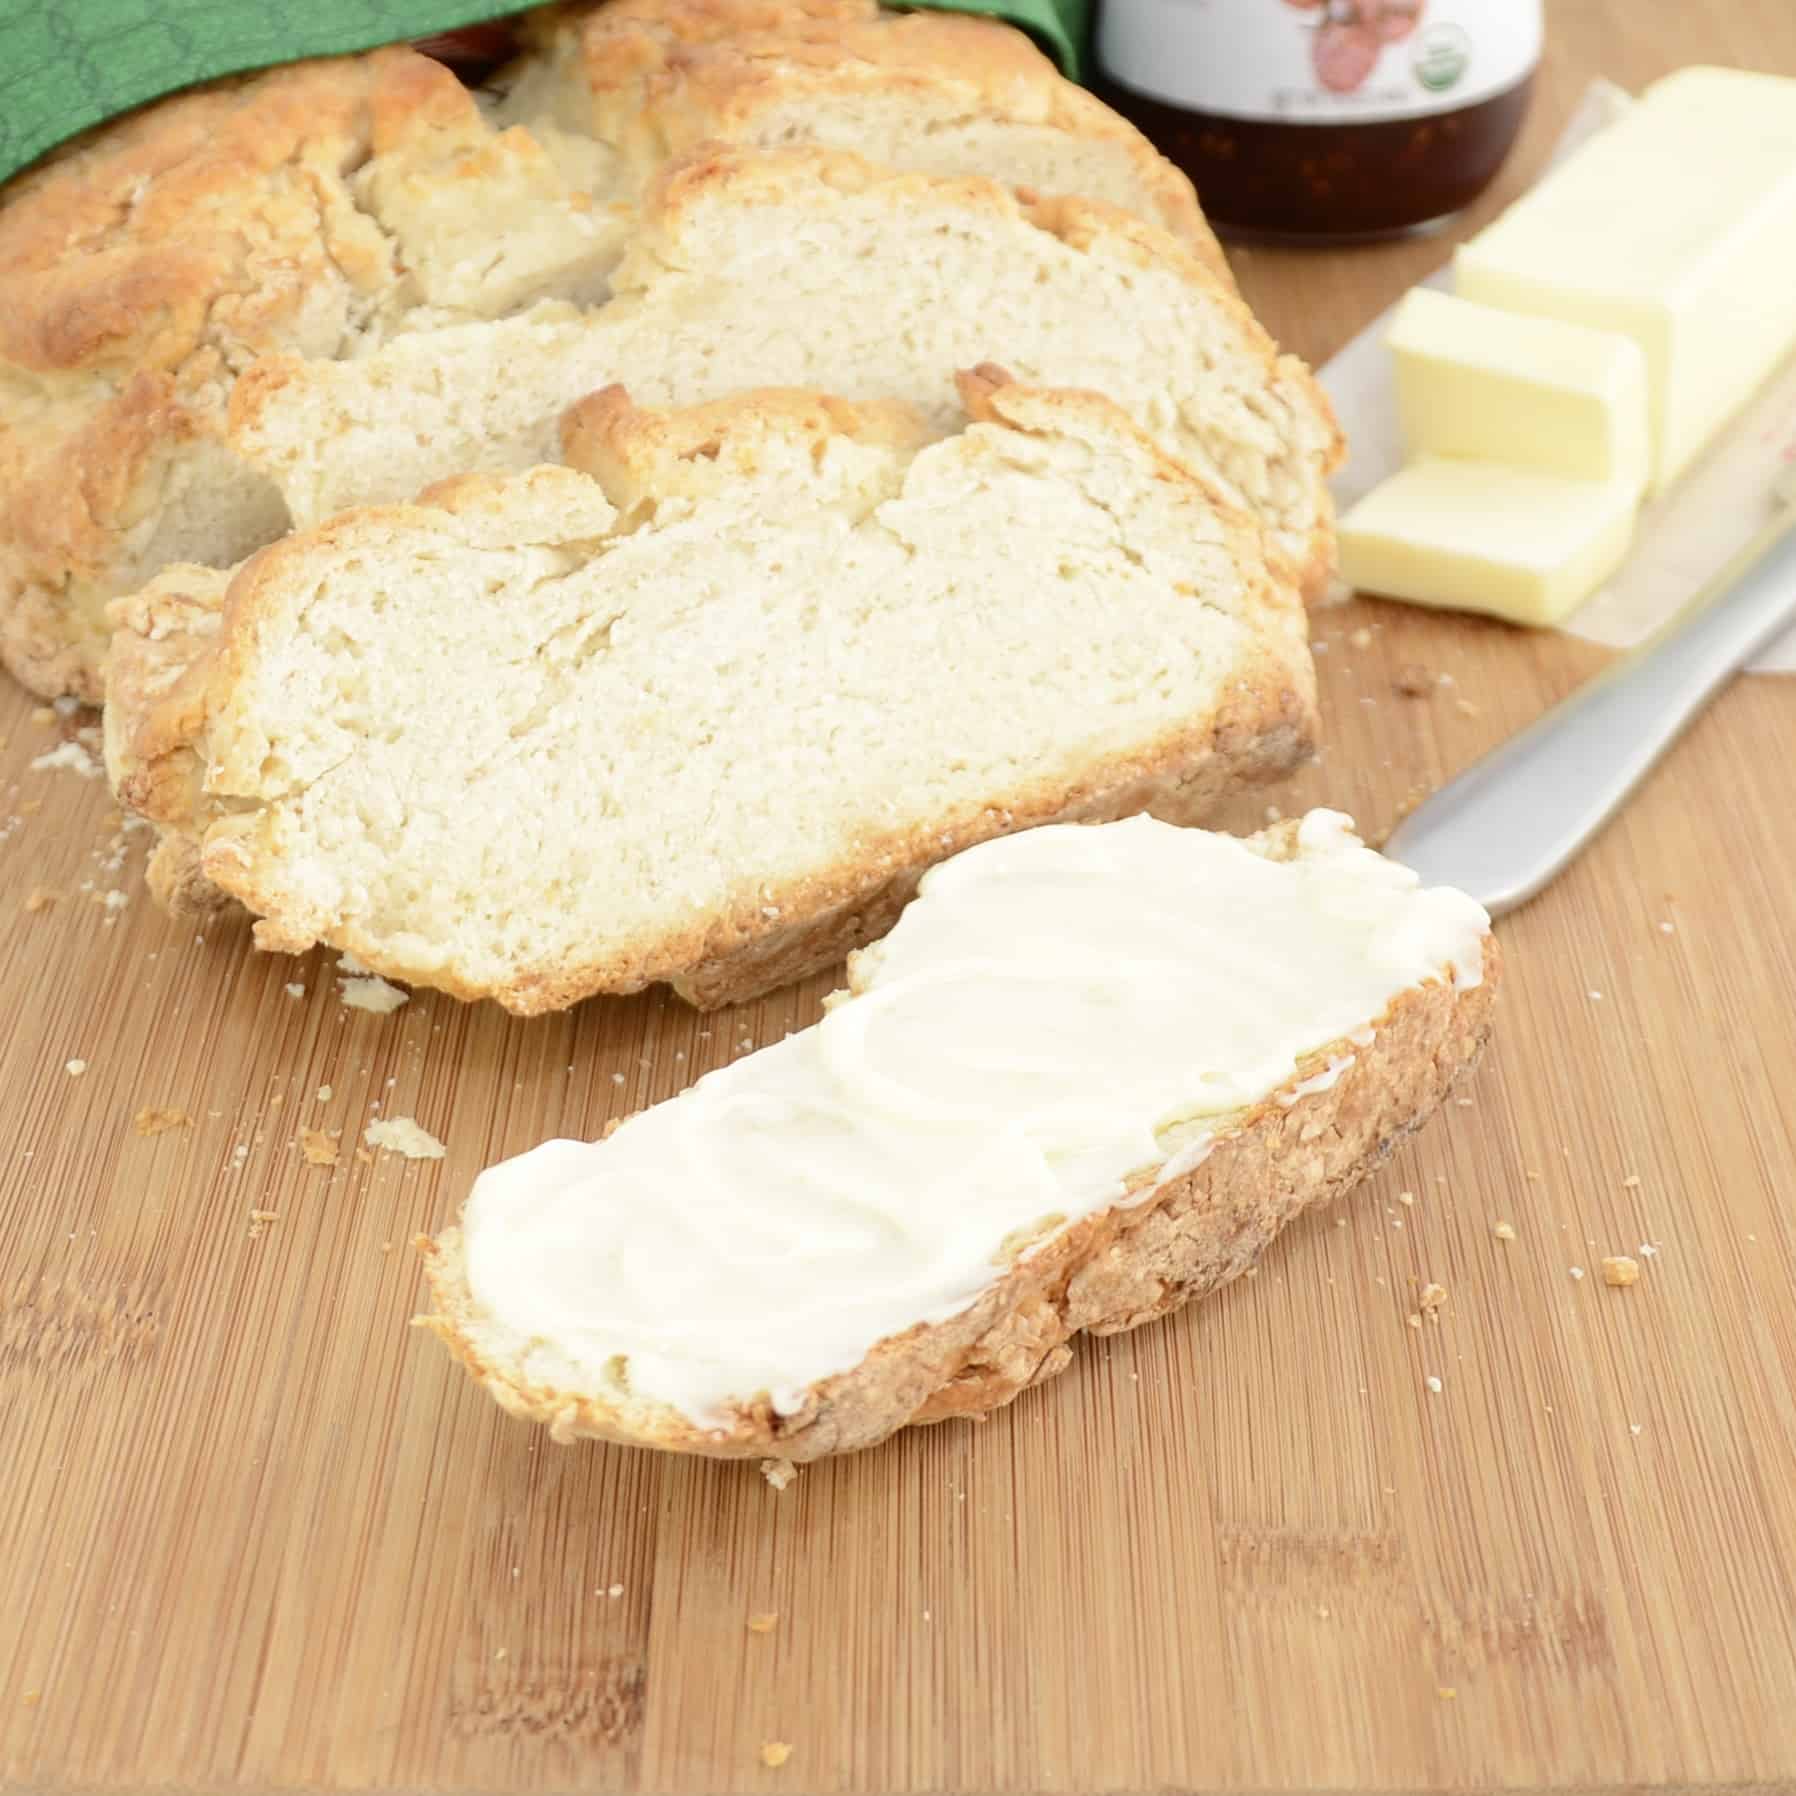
[135, 271]
[663, 76]
[182, 646]
[638, 454]
[1113, 1271]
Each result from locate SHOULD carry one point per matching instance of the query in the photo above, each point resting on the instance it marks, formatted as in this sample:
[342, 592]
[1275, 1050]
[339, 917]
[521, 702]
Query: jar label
[1323, 62]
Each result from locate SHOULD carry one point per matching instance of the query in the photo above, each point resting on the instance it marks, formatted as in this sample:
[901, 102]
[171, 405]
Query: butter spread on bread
[1064, 1023]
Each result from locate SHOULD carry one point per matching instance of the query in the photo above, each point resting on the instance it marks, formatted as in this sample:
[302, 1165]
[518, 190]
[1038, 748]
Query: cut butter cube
[1532, 392]
[1677, 225]
[1479, 536]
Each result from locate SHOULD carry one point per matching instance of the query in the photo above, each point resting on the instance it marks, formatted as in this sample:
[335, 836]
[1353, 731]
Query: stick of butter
[1481, 536]
[1533, 392]
[1677, 225]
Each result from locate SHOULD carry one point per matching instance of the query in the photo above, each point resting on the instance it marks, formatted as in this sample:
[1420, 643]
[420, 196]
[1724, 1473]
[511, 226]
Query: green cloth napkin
[69, 64]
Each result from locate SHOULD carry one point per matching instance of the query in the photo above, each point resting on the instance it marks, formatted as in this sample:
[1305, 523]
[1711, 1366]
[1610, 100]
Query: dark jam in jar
[1324, 118]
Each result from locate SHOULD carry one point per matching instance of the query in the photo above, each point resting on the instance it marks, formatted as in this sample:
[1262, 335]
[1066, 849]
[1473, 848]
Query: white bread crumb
[372, 993]
[70, 755]
[778, 1472]
[75, 1068]
[402, 1135]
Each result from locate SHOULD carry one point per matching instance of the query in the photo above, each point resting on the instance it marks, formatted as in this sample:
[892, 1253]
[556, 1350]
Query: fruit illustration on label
[1394, 20]
[1353, 34]
[1344, 55]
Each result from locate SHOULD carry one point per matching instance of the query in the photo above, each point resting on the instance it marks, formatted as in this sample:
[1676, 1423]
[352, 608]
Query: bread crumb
[372, 994]
[1446, 1692]
[69, 756]
[1433, 1382]
[75, 1068]
[1432, 1298]
[1413, 680]
[1360, 638]
[1465, 707]
[1631, 1182]
[1576, 1271]
[1618, 1269]
[402, 1135]
[39, 898]
[1406, 1197]
[1504, 1231]
[260, 1219]
[324, 1094]
[1647, 1249]
[778, 1472]
[363, 1157]
[296, 989]
[616, 1590]
[31, 1698]
[775, 1753]
[317, 1147]
[152, 1121]
[1414, 1318]
[763, 1623]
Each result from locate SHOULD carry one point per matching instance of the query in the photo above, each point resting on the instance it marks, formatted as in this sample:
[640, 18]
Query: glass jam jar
[1324, 118]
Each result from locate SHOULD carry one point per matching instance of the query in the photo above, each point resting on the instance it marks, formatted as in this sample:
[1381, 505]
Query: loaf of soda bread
[321, 210]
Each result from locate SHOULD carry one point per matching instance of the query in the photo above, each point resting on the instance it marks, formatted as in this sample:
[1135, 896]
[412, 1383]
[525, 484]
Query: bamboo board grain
[259, 1535]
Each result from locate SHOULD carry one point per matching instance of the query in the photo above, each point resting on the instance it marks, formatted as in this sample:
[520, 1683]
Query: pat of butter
[1479, 536]
[1531, 392]
[1677, 225]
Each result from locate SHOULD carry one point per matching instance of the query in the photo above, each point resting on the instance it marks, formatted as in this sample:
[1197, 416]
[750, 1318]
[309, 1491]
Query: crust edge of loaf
[1112, 1271]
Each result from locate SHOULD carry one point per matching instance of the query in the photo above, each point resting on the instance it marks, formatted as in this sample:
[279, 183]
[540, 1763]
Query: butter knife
[1514, 819]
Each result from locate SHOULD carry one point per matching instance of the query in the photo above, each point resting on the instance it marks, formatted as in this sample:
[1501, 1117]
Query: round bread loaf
[322, 210]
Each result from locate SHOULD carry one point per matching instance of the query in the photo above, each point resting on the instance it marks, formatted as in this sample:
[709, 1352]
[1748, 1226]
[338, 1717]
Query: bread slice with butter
[1090, 1074]
[704, 711]
[816, 269]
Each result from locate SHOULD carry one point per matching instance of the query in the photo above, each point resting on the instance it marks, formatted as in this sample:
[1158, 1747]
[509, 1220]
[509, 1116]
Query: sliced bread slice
[819, 270]
[930, 92]
[705, 713]
[1089, 1076]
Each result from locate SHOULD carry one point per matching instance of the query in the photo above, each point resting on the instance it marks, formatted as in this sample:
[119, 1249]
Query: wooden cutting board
[259, 1534]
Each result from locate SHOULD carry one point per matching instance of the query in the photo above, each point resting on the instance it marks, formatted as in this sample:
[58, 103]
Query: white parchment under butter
[1683, 537]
